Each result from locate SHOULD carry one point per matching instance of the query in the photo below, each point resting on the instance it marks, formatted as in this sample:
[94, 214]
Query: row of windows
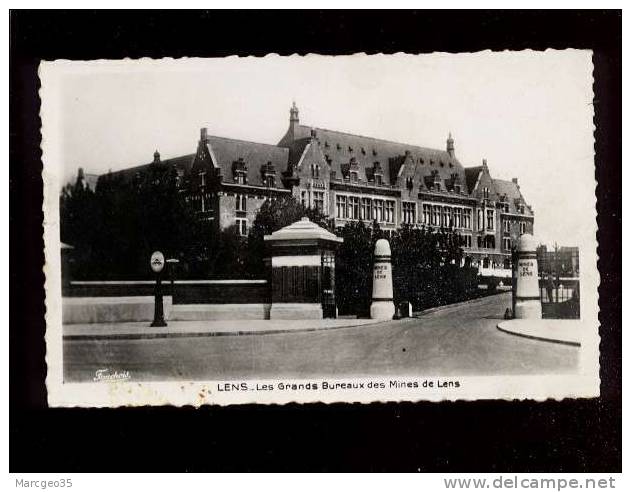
[487, 242]
[353, 177]
[408, 212]
[446, 216]
[508, 224]
[490, 220]
[521, 208]
[313, 199]
[487, 263]
[240, 177]
[354, 207]
[202, 202]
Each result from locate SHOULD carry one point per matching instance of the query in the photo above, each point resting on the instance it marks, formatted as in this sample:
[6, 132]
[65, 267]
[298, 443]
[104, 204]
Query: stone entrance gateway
[303, 271]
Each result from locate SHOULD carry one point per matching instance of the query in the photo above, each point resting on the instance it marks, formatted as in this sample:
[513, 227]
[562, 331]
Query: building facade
[349, 178]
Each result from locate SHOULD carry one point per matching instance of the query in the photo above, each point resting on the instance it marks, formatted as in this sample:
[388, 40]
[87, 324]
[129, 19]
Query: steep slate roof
[127, 176]
[255, 155]
[510, 189]
[471, 174]
[512, 192]
[340, 147]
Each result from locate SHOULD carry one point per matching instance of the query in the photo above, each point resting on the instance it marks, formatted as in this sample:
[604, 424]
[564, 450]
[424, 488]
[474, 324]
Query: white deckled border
[585, 383]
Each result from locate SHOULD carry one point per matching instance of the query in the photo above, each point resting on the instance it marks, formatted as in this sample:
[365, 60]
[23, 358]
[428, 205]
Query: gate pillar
[527, 294]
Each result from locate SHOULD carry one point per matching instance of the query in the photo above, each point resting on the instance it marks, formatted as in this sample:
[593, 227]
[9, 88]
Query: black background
[491, 436]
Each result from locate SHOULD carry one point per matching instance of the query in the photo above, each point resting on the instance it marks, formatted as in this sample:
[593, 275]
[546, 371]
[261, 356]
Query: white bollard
[527, 294]
[382, 306]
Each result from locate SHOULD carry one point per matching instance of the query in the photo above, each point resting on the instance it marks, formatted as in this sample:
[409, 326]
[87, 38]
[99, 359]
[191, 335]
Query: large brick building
[349, 177]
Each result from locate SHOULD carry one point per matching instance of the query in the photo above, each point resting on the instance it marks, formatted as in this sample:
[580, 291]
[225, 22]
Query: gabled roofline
[477, 179]
[302, 156]
[211, 153]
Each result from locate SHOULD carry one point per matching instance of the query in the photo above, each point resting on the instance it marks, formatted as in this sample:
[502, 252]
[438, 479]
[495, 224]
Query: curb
[199, 334]
[539, 338]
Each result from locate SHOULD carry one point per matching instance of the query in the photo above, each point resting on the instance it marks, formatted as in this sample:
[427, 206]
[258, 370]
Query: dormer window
[377, 173]
[363, 151]
[455, 183]
[268, 174]
[354, 176]
[315, 170]
[240, 171]
[486, 193]
[374, 152]
[421, 160]
[436, 181]
[409, 183]
[202, 178]
[338, 146]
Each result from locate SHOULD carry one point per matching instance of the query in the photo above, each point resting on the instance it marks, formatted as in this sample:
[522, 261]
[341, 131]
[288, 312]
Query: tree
[353, 267]
[115, 229]
[274, 214]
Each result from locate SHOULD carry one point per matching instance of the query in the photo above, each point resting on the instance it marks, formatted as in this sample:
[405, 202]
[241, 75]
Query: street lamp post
[157, 265]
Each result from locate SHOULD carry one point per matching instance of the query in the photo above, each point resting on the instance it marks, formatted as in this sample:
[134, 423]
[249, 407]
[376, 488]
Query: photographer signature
[106, 375]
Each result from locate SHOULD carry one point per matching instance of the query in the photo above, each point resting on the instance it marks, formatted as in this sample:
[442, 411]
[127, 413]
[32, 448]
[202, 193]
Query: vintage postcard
[320, 229]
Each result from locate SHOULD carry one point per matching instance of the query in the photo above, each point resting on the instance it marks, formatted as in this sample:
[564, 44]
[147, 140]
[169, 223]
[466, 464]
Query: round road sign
[157, 261]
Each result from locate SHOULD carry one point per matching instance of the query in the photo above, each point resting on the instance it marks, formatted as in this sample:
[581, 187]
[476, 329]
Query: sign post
[157, 265]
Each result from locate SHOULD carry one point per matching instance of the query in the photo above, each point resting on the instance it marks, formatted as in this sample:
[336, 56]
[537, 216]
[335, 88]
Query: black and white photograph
[379, 242]
[320, 228]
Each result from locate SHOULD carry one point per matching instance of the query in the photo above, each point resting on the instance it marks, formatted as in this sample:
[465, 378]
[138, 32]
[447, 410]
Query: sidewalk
[564, 331]
[142, 330]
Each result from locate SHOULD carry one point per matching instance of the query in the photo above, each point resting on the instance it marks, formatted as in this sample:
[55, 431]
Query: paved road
[459, 340]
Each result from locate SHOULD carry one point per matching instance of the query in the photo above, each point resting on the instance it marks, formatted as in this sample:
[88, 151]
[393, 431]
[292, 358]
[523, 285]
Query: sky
[528, 113]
